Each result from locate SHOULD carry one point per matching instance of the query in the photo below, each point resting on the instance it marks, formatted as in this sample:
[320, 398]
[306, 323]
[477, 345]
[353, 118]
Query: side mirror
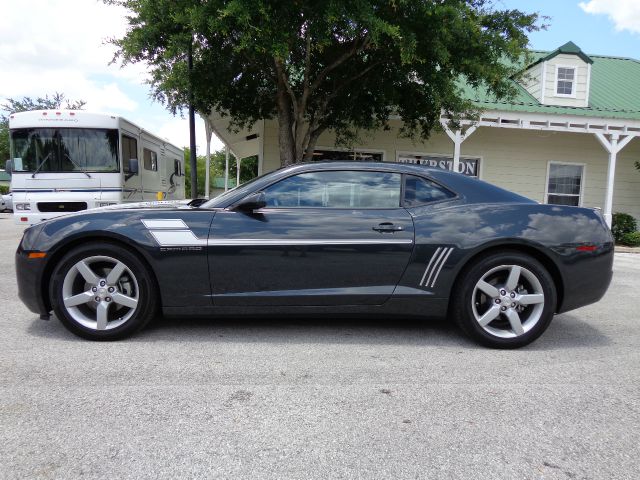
[8, 167]
[133, 166]
[255, 201]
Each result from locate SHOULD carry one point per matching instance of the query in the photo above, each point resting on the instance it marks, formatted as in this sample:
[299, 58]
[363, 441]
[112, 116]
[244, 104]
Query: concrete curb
[623, 249]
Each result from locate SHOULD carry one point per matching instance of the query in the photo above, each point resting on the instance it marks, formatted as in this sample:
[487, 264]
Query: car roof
[360, 165]
[468, 188]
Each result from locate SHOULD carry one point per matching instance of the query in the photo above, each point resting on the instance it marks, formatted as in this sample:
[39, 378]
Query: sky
[49, 46]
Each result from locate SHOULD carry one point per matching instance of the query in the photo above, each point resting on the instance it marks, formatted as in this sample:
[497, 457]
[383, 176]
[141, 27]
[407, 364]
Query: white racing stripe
[431, 273]
[224, 242]
[161, 224]
[177, 238]
[176, 233]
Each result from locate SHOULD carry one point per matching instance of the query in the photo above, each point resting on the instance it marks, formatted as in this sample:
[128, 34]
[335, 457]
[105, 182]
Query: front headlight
[22, 206]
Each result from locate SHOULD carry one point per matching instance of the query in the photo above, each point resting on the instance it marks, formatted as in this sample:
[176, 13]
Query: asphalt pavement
[320, 399]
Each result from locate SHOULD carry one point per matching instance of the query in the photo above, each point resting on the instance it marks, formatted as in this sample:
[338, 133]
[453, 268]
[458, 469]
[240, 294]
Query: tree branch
[339, 61]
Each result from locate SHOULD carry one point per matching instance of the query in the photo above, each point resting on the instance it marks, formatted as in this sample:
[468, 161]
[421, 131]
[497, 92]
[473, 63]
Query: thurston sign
[468, 166]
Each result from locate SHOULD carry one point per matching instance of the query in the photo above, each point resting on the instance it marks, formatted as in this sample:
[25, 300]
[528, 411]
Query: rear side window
[336, 189]
[420, 191]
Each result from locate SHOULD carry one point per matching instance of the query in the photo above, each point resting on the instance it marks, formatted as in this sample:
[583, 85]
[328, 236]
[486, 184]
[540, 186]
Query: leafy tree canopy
[12, 105]
[326, 64]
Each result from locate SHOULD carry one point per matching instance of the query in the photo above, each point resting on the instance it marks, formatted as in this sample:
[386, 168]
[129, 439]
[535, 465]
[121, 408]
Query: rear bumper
[586, 277]
[29, 278]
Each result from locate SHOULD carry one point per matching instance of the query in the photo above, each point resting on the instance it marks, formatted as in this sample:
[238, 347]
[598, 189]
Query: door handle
[387, 227]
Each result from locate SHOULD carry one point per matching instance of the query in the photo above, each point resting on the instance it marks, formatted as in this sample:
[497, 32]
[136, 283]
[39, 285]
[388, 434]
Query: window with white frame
[564, 186]
[565, 81]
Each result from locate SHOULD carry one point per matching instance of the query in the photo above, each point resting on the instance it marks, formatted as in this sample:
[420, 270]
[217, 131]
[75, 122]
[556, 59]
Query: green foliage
[4, 189]
[315, 65]
[622, 224]
[631, 239]
[56, 101]
[248, 170]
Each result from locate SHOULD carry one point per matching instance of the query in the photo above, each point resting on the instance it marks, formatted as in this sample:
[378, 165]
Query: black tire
[469, 301]
[142, 285]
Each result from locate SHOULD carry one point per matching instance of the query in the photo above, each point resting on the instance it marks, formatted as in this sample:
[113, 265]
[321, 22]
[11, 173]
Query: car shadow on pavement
[566, 331]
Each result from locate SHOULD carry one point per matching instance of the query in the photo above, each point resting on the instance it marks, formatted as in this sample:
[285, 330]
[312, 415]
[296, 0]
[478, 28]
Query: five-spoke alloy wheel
[102, 292]
[505, 300]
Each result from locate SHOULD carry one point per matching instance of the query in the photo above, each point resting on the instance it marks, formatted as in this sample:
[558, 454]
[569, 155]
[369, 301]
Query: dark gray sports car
[324, 238]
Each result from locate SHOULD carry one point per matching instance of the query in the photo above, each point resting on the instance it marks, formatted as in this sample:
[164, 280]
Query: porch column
[238, 160]
[457, 137]
[612, 145]
[207, 170]
[226, 167]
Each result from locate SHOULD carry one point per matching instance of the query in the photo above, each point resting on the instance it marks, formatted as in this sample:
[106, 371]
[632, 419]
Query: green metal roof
[569, 48]
[614, 91]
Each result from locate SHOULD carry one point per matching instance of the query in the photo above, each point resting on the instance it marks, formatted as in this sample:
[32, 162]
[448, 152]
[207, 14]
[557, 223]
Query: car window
[419, 191]
[336, 189]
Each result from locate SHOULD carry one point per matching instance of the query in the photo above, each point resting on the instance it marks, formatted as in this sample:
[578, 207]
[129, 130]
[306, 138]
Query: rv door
[132, 191]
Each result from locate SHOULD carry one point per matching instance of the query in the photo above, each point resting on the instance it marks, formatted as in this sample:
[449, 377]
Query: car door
[325, 238]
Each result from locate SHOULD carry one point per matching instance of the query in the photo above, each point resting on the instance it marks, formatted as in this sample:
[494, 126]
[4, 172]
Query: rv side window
[129, 151]
[150, 160]
[177, 168]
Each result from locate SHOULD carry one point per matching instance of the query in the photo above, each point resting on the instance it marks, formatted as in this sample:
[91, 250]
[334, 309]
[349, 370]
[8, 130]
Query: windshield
[64, 149]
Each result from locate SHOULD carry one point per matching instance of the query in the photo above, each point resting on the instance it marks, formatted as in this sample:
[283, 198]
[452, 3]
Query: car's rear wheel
[505, 300]
[101, 291]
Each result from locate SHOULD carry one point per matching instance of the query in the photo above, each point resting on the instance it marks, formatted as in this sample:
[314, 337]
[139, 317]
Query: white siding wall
[514, 159]
[581, 87]
[532, 81]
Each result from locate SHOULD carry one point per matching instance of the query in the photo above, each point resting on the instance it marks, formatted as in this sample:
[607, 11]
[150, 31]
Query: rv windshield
[64, 149]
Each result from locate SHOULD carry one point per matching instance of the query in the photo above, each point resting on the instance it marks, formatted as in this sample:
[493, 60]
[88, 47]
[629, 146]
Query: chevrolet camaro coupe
[323, 238]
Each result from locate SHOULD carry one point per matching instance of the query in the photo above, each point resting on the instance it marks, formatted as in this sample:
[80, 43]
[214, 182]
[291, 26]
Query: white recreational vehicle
[66, 161]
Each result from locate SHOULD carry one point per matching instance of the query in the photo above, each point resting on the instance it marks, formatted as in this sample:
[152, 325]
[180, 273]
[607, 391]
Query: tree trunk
[285, 120]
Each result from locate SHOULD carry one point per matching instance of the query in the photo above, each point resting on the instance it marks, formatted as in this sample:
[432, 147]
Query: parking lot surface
[331, 398]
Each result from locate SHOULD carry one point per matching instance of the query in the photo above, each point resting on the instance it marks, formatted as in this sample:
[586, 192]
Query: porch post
[226, 167]
[207, 170]
[611, 175]
[457, 137]
[238, 161]
[613, 146]
[457, 143]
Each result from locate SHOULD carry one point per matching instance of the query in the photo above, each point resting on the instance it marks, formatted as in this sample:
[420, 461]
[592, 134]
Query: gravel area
[320, 399]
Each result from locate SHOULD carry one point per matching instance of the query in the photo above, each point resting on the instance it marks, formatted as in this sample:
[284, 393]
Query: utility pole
[192, 128]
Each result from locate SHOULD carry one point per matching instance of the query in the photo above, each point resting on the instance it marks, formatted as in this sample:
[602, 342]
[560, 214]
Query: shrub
[631, 239]
[622, 224]
[4, 189]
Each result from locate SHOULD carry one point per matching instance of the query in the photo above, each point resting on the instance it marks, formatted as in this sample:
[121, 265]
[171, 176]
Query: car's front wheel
[101, 291]
[505, 300]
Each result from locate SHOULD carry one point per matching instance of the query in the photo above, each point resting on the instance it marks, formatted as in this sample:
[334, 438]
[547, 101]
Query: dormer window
[565, 81]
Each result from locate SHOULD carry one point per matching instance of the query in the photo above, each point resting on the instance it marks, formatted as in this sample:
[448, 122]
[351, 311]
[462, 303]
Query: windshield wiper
[41, 165]
[81, 169]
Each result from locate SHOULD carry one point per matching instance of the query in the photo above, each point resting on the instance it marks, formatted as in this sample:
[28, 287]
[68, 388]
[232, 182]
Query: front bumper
[29, 273]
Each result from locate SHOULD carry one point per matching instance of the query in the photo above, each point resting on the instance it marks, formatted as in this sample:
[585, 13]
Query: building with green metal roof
[567, 136]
